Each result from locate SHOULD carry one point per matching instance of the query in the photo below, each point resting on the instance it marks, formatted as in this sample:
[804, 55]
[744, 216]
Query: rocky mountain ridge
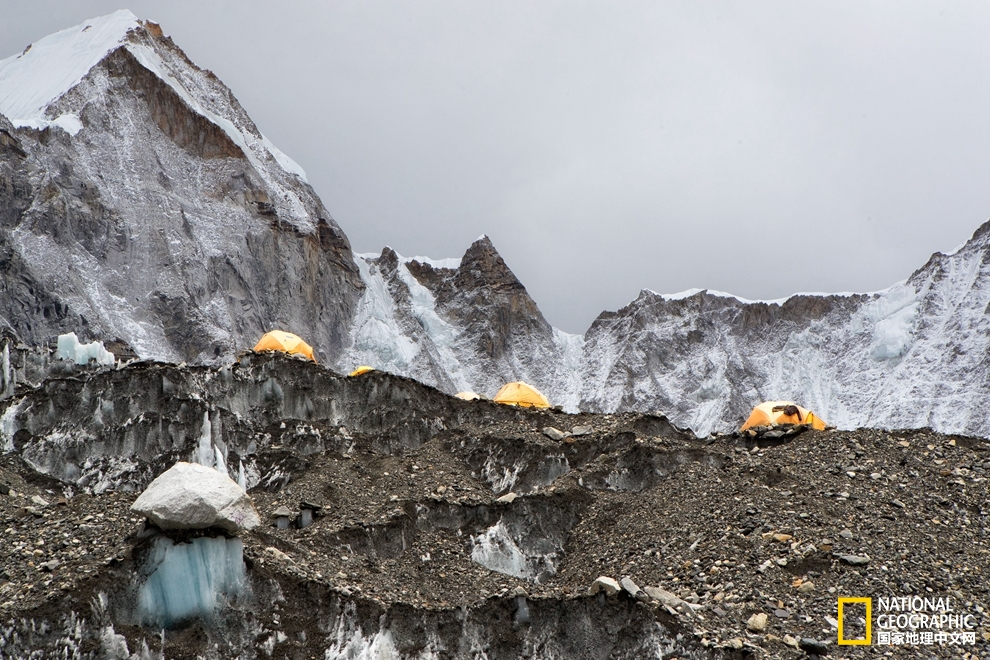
[914, 355]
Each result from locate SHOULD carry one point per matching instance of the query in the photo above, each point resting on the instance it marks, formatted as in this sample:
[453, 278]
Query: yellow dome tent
[468, 396]
[769, 413]
[521, 394]
[276, 340]
[361, 370]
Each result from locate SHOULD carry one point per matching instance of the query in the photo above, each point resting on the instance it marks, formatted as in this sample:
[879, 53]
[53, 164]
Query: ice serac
[139, 202]
[914, 355]
[459, 324]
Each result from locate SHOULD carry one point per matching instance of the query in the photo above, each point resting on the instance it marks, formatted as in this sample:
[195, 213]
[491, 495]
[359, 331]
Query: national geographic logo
[867, 638]
[905, 621]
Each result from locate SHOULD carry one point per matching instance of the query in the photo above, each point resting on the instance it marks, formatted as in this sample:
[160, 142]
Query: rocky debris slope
[140, 203]
[433, 527]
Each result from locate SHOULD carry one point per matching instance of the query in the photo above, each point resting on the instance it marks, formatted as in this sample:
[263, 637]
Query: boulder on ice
[190, 496]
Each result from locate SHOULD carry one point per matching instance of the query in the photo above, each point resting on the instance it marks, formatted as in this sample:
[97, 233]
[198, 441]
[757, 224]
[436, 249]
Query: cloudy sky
[758, 148]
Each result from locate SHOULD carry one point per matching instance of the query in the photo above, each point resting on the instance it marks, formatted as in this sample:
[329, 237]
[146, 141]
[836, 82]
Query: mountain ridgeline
[139, 204]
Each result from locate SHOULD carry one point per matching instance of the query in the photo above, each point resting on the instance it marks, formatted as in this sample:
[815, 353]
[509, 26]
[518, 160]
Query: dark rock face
[167, 221]
[493, 308]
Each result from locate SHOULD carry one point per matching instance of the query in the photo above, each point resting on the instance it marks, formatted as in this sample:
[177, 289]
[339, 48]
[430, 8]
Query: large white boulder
[190, 496]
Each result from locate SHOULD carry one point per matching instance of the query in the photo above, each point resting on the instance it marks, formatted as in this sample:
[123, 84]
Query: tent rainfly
[363, 369]
[770, 413]
[521, 394]
[468, 396]
[276, 340]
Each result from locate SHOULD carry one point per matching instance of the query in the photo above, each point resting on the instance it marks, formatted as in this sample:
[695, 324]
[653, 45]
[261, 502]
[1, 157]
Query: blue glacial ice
[190, 579]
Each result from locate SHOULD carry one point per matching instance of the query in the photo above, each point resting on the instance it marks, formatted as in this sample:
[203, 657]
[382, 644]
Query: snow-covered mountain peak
[47, 69]
[35, 84]
[459, 324]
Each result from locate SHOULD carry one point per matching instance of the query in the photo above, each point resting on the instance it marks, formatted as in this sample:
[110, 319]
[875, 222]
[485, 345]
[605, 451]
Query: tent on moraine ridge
[471, 395]
[522, 394]
[770, 413]
[286, 342]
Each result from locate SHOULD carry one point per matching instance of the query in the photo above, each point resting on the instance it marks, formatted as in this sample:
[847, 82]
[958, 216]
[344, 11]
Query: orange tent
[361, 370]
[276, 340]
[769, 413]
[521, 394]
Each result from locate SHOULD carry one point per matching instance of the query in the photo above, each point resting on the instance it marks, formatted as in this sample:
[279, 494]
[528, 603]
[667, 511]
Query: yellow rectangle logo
[869, 622]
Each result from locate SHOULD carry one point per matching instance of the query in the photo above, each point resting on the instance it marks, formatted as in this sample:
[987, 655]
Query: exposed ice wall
[69, 348]
[190, 579]
[348, 641]
[7, 378]
[212, 453]
[496, 550]
[204, 451]
[8, 425]
[547, 631]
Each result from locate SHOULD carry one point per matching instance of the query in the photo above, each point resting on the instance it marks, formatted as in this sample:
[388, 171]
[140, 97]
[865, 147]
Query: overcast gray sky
[759, 148]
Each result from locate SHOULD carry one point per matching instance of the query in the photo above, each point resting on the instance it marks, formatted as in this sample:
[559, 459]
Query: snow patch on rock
[48, 68]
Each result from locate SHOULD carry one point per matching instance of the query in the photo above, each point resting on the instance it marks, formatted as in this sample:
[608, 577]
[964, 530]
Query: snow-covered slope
[143, 204]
